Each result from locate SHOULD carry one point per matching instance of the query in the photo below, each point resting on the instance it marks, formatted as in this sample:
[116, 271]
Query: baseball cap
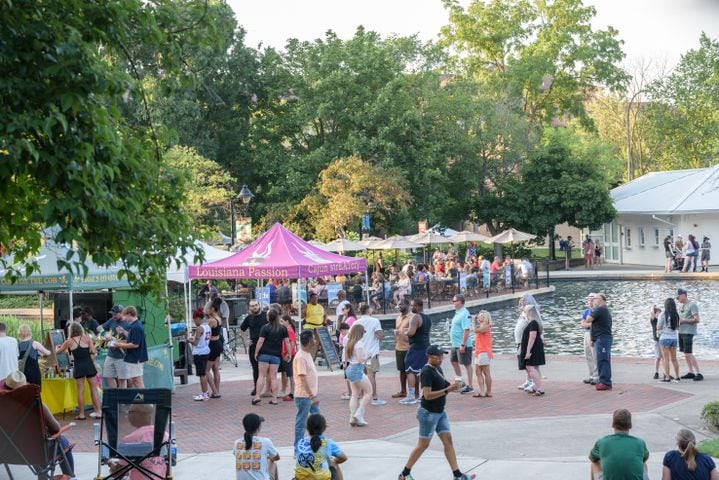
[117, 309]
[252, 422]
[435, 350]
[681, 291]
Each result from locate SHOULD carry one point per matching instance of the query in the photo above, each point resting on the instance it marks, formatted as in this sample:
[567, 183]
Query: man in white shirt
[8, 352]
[370, 342]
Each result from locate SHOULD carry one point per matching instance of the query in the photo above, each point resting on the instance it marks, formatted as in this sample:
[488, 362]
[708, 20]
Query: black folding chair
[139, 432]
[23, 436]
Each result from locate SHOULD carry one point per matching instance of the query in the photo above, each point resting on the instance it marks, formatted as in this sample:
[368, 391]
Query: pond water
[629, 302]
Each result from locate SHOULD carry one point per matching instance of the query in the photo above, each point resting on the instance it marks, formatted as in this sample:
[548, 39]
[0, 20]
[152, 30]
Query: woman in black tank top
[82, 349]
[216, 343]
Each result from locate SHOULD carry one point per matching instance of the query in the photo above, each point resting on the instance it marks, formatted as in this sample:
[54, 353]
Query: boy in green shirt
[619, 456]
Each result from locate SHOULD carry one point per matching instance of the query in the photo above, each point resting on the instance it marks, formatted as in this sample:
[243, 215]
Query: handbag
[23, 360]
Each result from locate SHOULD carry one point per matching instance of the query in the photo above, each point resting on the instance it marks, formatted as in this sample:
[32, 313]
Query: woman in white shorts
[482, 327]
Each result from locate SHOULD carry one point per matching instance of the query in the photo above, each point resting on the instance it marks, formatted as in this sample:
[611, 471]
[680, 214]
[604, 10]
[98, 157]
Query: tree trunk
[552, 254]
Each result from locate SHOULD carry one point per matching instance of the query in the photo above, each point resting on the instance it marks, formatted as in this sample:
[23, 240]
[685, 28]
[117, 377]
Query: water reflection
[629, 301]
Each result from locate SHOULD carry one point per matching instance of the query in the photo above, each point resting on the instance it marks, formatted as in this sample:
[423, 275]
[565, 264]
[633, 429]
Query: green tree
[208, 189]
[544, 52]
[561, 183]
[685, 108]
[69, 156]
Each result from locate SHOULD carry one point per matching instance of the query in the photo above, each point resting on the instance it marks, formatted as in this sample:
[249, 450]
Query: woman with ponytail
[686, 463]
[318, 457]
[355, 358]
[255, 456]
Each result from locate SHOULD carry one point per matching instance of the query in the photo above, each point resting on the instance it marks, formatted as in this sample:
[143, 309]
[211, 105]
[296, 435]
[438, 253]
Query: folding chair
[23, 435]
[136, 421]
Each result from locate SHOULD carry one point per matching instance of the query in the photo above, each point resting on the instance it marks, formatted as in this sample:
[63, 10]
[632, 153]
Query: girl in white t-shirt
[255, 456]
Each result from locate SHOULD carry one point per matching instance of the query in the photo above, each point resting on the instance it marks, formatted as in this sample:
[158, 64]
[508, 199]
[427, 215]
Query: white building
[678, 202]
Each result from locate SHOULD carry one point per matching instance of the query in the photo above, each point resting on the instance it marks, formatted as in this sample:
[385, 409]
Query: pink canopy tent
[279, 253]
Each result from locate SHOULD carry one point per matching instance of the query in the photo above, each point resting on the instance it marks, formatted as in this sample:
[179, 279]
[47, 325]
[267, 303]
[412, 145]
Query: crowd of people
[684, 256]
[274, 351]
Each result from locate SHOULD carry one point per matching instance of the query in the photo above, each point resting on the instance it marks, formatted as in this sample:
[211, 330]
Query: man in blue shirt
[462, 342]
[135, 348]
[114, 371]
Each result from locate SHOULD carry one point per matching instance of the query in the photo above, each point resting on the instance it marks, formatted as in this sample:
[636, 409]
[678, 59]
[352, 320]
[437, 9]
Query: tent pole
[366, 282]
[42, 320]
[299, 302]
[167, 313]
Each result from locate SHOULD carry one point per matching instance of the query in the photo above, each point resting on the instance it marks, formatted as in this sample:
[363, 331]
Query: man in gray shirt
[688, 320]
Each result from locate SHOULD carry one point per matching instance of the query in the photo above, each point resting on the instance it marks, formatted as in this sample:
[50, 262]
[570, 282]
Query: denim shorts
[668, 342]
[354, 372]
[430, 422]
[271, 359]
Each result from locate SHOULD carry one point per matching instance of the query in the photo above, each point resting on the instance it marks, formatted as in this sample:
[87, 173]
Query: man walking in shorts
[114, 371]
[688, 320]
[432, 416]
[135, 348]
[462, 342]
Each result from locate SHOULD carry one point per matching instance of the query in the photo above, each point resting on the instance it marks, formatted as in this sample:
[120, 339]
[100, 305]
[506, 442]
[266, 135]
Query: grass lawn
[542, 253]
[710, 447]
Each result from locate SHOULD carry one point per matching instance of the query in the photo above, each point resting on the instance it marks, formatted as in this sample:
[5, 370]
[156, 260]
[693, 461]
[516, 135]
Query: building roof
[673, 192]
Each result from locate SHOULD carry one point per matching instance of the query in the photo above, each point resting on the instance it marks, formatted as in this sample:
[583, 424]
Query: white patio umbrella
[344, 245]
[510, 236]
[321, 245]
[395, 242]
[367, 242]
[429, 237]
[466, 236]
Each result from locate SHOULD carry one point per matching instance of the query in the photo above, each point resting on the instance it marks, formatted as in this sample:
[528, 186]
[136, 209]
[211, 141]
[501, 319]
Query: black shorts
[286, 367]
[200, 362]
[415, 360]
[399, 356]
[686, 342]
[463, 358]
[215, 350]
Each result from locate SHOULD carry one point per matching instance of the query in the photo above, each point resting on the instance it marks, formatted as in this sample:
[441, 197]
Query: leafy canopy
[68, 156]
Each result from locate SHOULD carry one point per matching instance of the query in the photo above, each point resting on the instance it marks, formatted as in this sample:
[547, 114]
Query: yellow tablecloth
[60, 394]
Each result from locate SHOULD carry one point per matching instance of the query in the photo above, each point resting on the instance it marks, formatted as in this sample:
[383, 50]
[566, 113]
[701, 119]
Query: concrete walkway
[511, 435]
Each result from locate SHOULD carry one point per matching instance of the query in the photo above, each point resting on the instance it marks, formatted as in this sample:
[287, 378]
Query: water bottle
[173, 445]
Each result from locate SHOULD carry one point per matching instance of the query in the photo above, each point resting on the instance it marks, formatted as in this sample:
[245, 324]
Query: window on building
[641, 236]
[656, 236]
[628, 237]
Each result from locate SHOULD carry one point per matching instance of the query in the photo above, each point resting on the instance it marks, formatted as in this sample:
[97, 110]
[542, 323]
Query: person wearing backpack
[29, 351]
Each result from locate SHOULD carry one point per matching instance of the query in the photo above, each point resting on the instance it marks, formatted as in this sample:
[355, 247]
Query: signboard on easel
[328, 350]
[54, 339]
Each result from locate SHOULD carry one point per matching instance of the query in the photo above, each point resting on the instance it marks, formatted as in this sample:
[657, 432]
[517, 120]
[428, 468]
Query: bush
[710, 414]
[13, 323]
[22, 301]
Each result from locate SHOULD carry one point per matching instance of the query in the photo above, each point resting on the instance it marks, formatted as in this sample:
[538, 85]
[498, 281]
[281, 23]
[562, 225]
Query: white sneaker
[201, 397]
[529, 388]
[345, 396]
[377, 401]
[408, 401]
[359, 418]
[524, 385]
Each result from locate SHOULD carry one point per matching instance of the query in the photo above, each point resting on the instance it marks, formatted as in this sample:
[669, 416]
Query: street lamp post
[245, 197]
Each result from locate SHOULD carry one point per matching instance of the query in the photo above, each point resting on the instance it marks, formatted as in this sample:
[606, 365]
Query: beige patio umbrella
[345, 245]
[511, 236]
[395, 242]
[428, 238]
[319, 245]
[466, 236]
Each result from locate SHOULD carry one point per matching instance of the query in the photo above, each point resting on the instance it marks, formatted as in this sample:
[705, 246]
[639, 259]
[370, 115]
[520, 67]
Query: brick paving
[212, 426]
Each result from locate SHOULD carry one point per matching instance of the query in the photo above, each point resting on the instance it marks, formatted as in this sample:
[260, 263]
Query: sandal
[538, 393]
[488, 395]
[215, 396]
[477, 395]
[255, 401]
[272, 403]
[80, 418]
